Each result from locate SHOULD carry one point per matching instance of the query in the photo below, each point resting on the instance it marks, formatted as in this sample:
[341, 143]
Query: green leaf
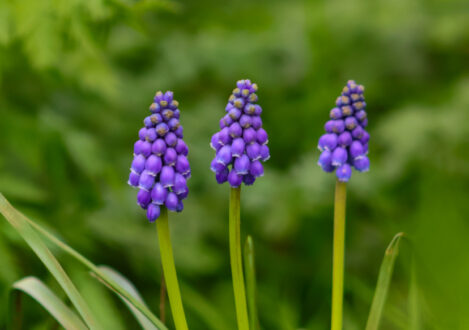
[384, 280]
[127, 285]
[44, 296]
[250, 275]
[19, 222]
[87, 263]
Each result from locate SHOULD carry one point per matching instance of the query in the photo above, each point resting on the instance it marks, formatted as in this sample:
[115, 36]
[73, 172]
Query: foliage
[76, 76]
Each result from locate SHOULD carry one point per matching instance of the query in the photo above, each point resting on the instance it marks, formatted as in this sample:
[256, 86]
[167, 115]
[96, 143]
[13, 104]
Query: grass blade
[87, 263]
[251, 287]
[37, 290]
[127, 285]
[384, 280]
[19, 222]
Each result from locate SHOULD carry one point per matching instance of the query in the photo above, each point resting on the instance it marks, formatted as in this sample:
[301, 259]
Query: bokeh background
[76, 80]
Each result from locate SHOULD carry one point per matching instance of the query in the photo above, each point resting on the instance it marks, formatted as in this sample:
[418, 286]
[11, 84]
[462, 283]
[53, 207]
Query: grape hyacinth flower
[345, 144]
[160, 170]
[241, 147]
[241, 143]
[160, 167]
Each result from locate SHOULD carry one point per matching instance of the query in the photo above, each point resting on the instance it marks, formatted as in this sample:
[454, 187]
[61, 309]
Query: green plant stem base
[338, 255]
[169, 270]
[236, 261]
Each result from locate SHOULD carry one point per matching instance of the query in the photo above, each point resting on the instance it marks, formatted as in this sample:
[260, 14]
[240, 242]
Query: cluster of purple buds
[241, 143]
[160, 167]
[345, 144]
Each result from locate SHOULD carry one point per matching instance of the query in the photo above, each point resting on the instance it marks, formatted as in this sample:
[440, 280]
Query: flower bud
[241, 165]
[167, 176]
[182, 165]
[181, 147]
[345, 139]
[153, 212]
[153, 165]
[328, 142]
[343, 172]
[256, 169]
[171, 201]
[162, 129]
[361, 164]
[138, 164]
[171, 139]
[234, 179]
[356, 149]
[134, 178]
[237, 147]
[180, 184]
[143, 198]
[158, 147]
[253, 151]
[158, 194]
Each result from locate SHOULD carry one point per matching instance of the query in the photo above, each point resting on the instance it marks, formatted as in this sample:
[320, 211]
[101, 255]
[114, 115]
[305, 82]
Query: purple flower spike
[160, 167]
[345, 144]
[241, 143]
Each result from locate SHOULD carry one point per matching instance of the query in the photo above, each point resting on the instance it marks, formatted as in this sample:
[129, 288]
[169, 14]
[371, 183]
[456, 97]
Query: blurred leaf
[130, 288]
[19, 222]
[384, 280]
[44, 296]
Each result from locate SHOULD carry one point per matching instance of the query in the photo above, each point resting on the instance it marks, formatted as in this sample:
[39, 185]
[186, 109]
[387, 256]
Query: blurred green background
[76, 80]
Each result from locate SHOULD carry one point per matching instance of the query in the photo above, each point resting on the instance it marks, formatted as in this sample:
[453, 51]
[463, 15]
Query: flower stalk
[338, 255]
[236, 261]
[169, 270]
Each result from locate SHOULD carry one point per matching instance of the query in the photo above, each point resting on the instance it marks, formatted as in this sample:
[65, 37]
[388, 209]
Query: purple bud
[173, 124]
[234, 113]
[265, 152]
[345, 139]
[358, 132]
[158, 97]
[325, 161]
[214, 141]
[225, 121]
[153, 165]
[242, 164]
[256, 169]
[179, 132]
[249, 179]
[134, 178]
[235, 130]
[158, 147]
[237, 147]
[256, 122]
[361, 164]
[356, 149]
[146, 181]
[168, 96]
[253, 151]
[138, 147]
[143, 198]
[182, 165]
[156, 118]
[146, 148]
[327, 142]
[344, 172]
[234, 179]
[329, 126]
[158, 194]
[336, 113]
[216, 166]
[151, 135]
[351, 123]
[224, 137]
[222, 176]
[153, 212]
[262, 137]
[147, 122]
[183, 195]
[180, 206]
[249, 135]
[180, 184]
[171, 201]
[224, 155]
[238, 103]
[361, 115]
[245, 121]
[258, 109]
[138, 164]
[365, 137]
[347, 110]
[142, 133]
[250, 109]
[364, 122]
[181, 147]
[174, 104]
[339, 126]
[170, 157]
[171, 139]
[339, 156]
[167, 176]
[162, 129]
[155, 107]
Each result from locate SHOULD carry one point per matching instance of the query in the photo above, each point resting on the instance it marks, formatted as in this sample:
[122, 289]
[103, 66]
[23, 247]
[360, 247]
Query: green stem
[338, 255]
[251, 287]
[236, 261]
[169, 270]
